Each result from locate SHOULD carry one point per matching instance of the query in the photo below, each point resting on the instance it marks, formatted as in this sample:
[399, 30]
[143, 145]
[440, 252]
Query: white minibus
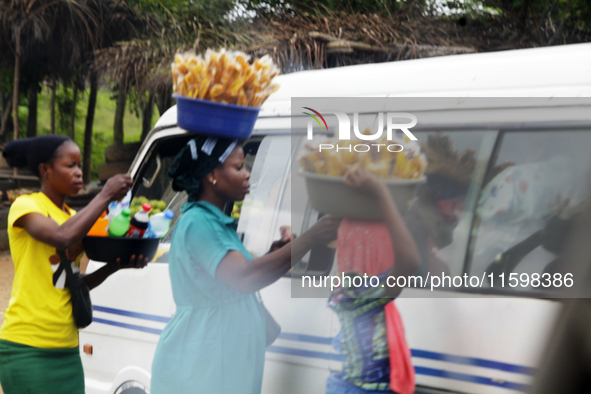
[481, 341]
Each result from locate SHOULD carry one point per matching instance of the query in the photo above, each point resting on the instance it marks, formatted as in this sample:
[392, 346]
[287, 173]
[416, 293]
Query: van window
[267, 207]
[536, 183]
[440, 217]
[319, 260]
[270, 206]
[155, 171]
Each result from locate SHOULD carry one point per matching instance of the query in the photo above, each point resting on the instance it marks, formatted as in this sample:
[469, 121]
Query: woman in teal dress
[215, 343]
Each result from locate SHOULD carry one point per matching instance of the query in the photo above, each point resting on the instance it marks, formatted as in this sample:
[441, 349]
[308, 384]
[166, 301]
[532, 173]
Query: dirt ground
[6, 276]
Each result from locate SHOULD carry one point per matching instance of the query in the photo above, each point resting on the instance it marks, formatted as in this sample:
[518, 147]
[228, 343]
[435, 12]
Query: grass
[102, 133]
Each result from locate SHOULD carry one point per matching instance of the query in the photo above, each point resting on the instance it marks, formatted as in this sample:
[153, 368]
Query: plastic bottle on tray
[159, 224]
[119, 226]
[139, 222]
[99, 228]
[114, 209]
[125, 203]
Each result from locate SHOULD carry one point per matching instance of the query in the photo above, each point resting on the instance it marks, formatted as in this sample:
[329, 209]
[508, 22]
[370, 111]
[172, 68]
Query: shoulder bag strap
[66, 265]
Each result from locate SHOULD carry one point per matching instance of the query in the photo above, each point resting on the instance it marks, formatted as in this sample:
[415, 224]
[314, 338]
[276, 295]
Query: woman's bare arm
[250, 276]
[72, 231]
[96, 278]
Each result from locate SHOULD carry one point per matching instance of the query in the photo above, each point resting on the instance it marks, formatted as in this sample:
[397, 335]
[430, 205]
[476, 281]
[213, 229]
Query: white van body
[478, 344]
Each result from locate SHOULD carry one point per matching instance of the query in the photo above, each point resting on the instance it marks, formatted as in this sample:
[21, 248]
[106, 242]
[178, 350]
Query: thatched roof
[300, 41]
[304, 41]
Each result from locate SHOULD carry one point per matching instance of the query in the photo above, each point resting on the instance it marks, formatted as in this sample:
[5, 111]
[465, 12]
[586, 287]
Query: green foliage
[103, 122]
[64, 99]
[184, 12]
[6, 79]
[545, 22]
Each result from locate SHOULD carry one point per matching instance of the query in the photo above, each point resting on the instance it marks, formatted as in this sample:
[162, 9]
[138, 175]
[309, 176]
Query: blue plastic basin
[217, 119]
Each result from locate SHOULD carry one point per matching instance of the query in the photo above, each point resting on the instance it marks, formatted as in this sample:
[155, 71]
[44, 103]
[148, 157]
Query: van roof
[559, 71]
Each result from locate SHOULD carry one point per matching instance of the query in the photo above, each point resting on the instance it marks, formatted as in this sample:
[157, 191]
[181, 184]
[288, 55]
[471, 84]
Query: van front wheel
[131, 387]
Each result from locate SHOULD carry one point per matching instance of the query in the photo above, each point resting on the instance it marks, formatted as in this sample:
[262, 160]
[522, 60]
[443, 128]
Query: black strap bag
[80, 294]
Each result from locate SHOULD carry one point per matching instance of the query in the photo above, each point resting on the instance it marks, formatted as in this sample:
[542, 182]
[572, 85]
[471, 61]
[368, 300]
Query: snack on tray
[225, 77]
[408, 164]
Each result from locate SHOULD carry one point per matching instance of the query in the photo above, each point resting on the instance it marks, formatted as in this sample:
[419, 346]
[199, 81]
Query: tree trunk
[73, 113]
[16, 83]
[147, 116]
[32, 119]
[52, 107]
[164, 101]
[5, 118]
[393, 6]
[119, 113]
[87, 160]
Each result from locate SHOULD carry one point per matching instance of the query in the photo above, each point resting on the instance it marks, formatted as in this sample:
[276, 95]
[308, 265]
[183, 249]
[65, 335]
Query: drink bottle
[126, 200]
[159, 224]
[120, 224]
[99, 228]
[139, 222]
[113, 210]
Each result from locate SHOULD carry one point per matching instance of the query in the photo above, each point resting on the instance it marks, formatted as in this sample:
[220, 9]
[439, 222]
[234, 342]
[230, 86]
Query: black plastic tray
[108, 249]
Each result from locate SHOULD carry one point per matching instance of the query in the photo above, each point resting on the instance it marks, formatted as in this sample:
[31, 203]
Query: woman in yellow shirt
[39, 339]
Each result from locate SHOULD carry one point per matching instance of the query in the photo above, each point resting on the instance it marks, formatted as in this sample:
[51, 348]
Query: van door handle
[148, 183]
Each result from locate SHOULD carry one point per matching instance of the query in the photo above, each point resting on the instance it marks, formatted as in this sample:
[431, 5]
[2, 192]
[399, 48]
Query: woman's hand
[286, 237]
[364, 181]
[97, 277]
[276, 245]
[117, 187]
[323, 231]
[138, 263]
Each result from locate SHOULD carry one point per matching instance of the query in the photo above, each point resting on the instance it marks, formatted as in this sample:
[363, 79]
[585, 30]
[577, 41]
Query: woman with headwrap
[376, 356]
[39, 339]
[215, 342]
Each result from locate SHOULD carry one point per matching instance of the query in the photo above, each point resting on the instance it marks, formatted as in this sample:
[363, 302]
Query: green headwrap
[200, 157]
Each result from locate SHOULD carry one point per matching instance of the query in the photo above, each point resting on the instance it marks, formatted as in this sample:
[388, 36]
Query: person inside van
[438, 206]
[215, 342]
[39, 338]
[377, 358]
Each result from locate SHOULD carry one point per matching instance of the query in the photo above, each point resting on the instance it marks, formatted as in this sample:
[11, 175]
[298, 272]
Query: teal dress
[215, 342]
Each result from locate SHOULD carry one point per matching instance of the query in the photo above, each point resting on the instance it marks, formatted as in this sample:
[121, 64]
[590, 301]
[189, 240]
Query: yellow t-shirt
[40, 312]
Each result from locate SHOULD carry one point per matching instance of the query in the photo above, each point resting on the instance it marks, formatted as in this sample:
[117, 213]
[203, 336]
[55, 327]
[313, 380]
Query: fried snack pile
[408, 164]
[225, 77]
[445, 160]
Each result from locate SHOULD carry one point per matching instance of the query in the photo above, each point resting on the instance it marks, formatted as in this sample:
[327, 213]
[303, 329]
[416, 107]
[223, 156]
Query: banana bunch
[225, 77]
